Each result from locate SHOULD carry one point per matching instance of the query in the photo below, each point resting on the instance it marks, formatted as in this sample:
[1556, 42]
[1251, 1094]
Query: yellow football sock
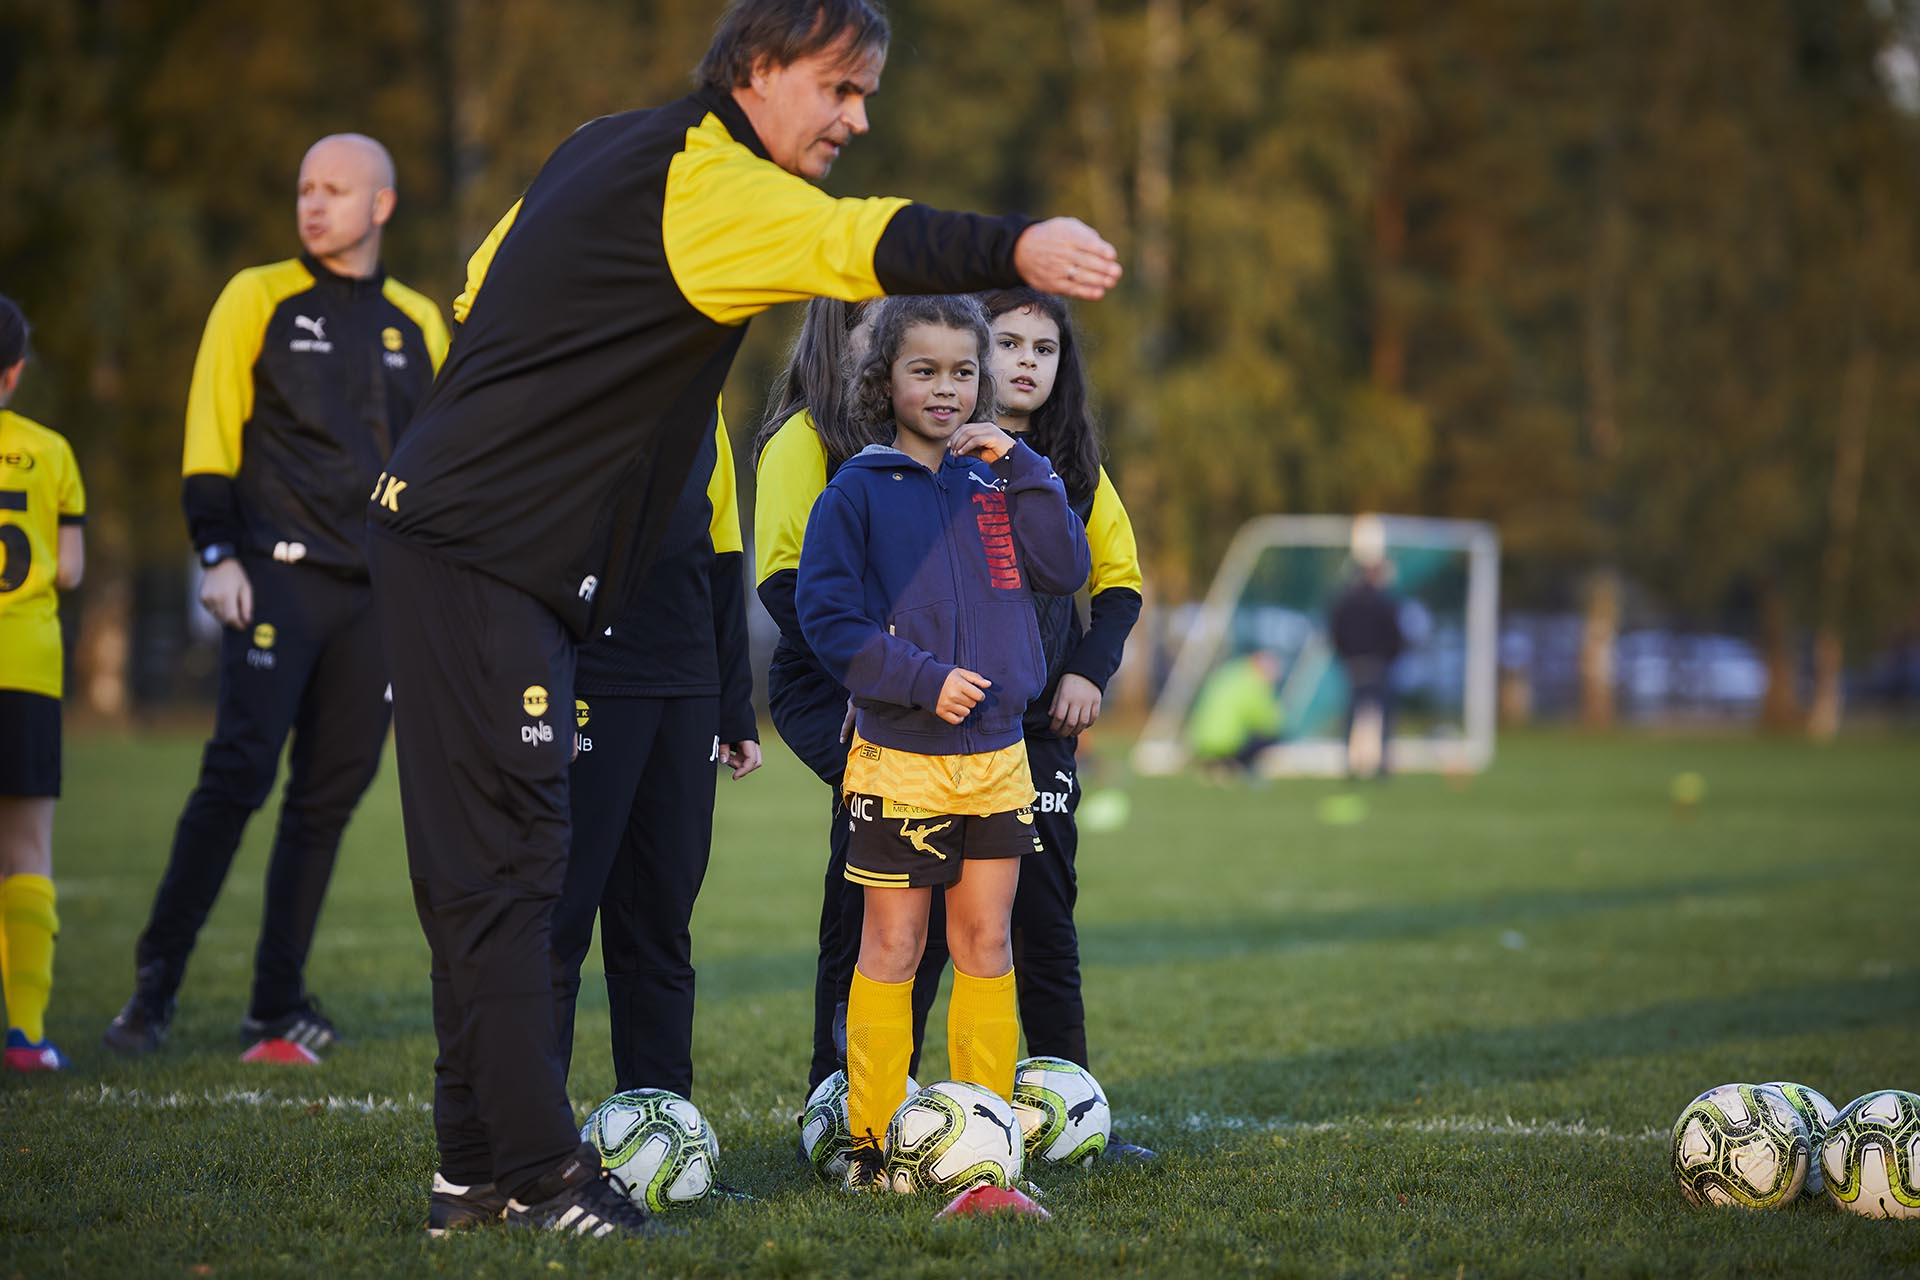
[983, 1031]
[27, 929]
[879, 1047]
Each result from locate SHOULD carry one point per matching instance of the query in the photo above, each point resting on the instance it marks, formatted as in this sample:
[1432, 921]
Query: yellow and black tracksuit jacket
[303, 382]
[1092, 650]
[601, 317]
[682, 633]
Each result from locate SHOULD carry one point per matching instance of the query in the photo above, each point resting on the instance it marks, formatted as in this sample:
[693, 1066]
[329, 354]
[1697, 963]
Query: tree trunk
[1836, 561]
[1780, 710]
[1599, 631]
[1094, 114]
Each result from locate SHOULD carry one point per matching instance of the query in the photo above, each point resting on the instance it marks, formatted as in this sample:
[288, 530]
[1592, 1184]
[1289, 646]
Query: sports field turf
[1448, 1040]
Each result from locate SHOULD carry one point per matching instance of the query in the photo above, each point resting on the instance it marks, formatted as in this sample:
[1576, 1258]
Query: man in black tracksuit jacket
[307, 375]
[602, 316]
[663, 696]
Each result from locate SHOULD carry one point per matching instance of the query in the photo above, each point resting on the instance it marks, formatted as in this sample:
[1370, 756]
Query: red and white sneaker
[33, 1055]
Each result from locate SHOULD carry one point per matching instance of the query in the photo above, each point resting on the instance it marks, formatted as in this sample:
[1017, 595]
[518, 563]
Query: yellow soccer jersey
[987, 783]
[39, 491]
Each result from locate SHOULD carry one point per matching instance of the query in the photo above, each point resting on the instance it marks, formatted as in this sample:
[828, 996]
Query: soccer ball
[1816, 1113]
[658, 1144]
[1062, 1111]
[825, 1134]
[1871, 1155]
[951, 1137]
[1741, 1144]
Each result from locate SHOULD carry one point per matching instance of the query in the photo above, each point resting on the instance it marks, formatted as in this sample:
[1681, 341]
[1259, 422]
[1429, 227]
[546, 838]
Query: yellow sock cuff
[983, 1031]
[879, 1047]
[29, 899]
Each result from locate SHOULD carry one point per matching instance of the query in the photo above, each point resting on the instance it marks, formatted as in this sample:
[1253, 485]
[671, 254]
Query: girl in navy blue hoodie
[915, 590]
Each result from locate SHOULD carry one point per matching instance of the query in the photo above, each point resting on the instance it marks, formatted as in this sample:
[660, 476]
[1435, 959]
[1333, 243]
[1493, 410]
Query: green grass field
[1448, 1040]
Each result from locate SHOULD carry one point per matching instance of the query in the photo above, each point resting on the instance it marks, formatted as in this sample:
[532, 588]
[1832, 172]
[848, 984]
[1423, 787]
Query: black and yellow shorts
[899, 846]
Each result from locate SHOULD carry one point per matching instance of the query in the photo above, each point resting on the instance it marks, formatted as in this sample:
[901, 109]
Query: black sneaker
[140, 1027]
[455, 1208]
[1128, 1153]
[305, 1026]
[580, 1198]
[866, 1166]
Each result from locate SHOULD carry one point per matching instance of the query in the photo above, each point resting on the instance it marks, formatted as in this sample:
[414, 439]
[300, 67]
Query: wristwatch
[214, 553]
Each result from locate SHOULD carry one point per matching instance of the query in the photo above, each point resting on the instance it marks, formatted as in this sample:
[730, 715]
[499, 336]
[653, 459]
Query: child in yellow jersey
[915, 590]
[42, 507]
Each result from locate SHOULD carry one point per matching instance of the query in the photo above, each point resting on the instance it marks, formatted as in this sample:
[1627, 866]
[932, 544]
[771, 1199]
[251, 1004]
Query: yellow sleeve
[477, 265]
[420, 309]
[72, 498]
[742, 234]
[1116, 556]
[722, 493]
[220, 399]
[793, 471]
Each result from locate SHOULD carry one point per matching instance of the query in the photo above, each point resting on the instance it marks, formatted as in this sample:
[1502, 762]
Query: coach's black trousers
[1046, 948]
[642, 805]
[808, 710]
[310, 666]
[483, 730]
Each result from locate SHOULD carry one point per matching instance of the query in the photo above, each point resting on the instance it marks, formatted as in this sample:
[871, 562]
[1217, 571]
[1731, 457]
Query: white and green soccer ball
[1741, 1144]
[951, 1137]
[1816, 1112]
[1871, 1156]
[824, 1133]
[1062, 1111]
[658, 1144]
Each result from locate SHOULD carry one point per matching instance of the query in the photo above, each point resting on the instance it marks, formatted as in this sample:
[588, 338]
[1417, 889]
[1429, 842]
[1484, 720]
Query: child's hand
[984, 439]
[1076, 705]
[961, 694]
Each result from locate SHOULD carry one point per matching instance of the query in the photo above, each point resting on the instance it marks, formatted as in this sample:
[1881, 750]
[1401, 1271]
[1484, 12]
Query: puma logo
[919, 835]
[1078, 1111]
[984, 1111]
[318, 328]
[1064, 777]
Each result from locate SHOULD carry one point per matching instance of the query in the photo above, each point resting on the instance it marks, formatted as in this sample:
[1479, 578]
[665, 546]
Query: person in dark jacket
[601, 317]
[308, 373]
[916, 589]
[664, 695]
[1365, 622]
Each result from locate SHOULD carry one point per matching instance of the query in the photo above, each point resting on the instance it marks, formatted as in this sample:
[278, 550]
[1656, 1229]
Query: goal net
[1271, 602]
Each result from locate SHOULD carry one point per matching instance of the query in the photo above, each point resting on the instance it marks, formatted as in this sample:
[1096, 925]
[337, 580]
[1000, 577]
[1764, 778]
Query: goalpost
[1273, 592]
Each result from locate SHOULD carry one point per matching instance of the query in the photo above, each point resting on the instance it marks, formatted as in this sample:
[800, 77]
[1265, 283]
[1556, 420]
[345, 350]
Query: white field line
[1195, 1122]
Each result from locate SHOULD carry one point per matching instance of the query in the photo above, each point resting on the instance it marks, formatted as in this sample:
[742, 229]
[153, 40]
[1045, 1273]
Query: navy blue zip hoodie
[908, 573]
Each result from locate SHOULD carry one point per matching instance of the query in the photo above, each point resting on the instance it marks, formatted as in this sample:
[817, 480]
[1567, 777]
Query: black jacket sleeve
[737, 722]
[1113, 613]
[927, 250]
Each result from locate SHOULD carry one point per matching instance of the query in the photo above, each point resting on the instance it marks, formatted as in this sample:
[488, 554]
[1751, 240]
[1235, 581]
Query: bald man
[308, 372]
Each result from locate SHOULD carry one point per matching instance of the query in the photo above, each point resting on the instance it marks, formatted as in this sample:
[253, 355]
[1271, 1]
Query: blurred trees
[1635, 281]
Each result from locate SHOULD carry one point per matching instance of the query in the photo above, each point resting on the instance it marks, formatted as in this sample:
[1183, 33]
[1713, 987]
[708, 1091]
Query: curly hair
[815, 379]
[871, 410]
[1063, 430]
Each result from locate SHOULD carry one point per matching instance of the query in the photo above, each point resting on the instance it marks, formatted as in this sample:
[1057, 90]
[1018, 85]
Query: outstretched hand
[1067, 257]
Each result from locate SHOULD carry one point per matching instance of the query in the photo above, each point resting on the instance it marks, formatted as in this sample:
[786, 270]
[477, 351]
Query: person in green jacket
[1238, 713]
